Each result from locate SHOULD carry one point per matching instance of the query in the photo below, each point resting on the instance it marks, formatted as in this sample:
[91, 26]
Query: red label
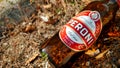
[81, 31]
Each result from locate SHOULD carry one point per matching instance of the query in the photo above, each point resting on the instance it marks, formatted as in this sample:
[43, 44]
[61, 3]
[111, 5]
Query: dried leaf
[63, 4]
[31, 1]
[44, 18]
[53, 2]
[38, 6]
[52, 21]
[47, 6]
[101, 54]
[114, 34]
[29, 28]
[10, 26]
[92, 52]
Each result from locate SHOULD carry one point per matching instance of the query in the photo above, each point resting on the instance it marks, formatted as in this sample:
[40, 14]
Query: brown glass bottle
[58, 52]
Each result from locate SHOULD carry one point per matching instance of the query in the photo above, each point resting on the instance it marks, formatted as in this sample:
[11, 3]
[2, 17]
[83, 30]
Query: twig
[31, 58]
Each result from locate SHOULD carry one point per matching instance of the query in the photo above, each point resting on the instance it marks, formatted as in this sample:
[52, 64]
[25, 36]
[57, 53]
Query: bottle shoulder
[101, 6]
[93, 5]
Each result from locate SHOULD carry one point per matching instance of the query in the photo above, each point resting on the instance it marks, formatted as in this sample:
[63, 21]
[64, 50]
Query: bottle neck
[108, 4]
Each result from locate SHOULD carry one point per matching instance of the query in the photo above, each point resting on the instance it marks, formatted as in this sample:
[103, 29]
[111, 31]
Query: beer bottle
[80, 32]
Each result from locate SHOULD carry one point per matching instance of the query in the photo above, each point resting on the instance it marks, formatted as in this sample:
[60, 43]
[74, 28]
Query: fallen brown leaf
[29, 28]
[47, 6]
[52, 21]
[92, 52]
[101, 54]
[63, 4]
[114, 34]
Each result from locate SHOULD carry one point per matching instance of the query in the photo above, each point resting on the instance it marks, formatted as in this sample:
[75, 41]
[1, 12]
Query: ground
[26, 26]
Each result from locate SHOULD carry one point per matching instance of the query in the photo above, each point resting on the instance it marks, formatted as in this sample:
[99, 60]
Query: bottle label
[82, 30]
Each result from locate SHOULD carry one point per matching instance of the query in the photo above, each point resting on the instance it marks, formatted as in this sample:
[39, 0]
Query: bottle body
[58, 52]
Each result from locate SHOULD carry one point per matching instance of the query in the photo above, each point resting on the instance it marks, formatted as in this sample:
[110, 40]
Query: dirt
[25, 27]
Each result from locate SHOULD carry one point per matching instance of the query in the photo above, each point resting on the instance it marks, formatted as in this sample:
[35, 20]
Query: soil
[26, 26]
